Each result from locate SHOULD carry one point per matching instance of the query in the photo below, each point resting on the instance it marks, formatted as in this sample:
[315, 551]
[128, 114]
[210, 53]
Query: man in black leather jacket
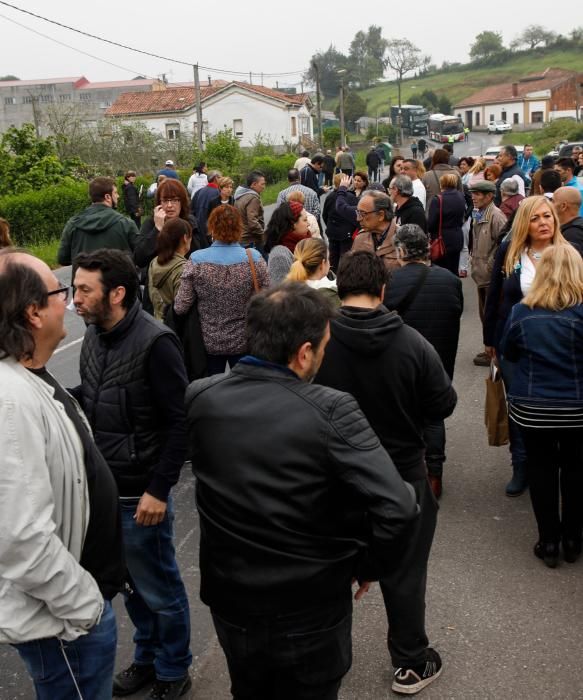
[296, 499]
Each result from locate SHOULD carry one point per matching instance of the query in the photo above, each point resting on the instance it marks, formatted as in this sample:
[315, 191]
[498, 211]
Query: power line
[145, 53]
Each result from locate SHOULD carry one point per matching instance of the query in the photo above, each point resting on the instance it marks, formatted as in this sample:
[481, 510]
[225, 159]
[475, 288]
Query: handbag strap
[413, 292]
[440, 215]
[253, 270]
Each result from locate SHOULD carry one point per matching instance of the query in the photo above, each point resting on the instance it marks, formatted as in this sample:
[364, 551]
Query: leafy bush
[40, 215]
[273, 167]
[545, 139]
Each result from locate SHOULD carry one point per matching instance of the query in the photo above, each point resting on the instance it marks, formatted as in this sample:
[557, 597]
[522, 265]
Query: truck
[413, 119]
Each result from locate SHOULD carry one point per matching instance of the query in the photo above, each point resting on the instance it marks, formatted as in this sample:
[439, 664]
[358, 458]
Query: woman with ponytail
[311, 265]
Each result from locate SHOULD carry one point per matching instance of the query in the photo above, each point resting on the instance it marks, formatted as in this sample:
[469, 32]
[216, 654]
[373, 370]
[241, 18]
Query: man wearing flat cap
[488, 222]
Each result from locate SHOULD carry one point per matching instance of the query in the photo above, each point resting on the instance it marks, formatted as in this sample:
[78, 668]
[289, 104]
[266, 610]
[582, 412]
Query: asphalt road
[506, 626]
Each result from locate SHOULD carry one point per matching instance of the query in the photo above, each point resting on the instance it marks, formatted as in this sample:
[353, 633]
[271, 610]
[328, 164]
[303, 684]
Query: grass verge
[47, 251]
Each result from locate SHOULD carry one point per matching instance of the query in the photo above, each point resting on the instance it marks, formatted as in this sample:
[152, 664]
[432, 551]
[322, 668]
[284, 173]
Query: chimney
[210, 81]
[514, 89]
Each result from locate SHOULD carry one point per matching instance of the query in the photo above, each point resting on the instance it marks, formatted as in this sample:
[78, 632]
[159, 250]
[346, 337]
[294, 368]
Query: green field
[459, 84]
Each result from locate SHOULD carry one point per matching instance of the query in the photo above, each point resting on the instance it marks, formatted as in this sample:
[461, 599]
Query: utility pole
[318, 105]
[261, 78]
[342, 139]
[199, 143]
[250, 78]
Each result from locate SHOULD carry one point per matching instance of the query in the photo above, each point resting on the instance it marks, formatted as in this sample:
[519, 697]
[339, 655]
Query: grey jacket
[44, 513]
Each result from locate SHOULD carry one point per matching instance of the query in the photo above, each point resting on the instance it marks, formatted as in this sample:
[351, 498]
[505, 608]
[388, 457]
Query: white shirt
[527, 273]
[419, 191]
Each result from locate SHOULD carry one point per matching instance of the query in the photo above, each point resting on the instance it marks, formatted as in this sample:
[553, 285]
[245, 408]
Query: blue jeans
[157, 603]
[91, 659]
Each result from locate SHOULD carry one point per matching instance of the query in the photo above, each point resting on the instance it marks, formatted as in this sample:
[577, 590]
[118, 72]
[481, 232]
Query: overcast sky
[274, 36]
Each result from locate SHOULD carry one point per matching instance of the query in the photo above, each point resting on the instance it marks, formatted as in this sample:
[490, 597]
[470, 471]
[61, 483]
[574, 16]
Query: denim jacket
[547, 345]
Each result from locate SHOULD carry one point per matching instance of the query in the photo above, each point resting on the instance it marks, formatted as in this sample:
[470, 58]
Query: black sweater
[395, 375]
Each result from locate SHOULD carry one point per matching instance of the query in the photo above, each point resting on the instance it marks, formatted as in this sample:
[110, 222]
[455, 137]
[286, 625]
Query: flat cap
[483, 186]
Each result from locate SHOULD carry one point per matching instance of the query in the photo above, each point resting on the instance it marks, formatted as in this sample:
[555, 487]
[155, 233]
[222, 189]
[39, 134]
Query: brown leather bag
[253, 270]
[437, 246]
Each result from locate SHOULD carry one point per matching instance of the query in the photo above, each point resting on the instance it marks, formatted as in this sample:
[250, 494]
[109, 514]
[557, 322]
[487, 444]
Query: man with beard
[132, 390]
[98, 226]
[288, 504]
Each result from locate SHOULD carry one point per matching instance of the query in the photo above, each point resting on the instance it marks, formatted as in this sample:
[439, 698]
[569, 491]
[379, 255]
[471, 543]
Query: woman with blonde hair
[311, 265]
[313, 226]
[535, 228]
[544, 338]
[476, 172]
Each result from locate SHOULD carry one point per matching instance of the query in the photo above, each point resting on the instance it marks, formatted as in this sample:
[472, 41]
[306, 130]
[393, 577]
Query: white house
[251, 111]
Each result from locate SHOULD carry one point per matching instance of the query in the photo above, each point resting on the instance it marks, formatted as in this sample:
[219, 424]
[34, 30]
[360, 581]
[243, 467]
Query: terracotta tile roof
[504, 93]
[182, 99]
[158, 102]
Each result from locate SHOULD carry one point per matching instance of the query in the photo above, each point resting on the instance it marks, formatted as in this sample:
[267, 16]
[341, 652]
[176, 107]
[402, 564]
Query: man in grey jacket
[60, 529]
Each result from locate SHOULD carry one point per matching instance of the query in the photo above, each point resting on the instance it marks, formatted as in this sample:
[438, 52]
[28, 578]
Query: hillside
[461, 83]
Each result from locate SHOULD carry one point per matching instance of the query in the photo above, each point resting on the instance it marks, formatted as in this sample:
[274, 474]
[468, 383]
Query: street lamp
[341, 73]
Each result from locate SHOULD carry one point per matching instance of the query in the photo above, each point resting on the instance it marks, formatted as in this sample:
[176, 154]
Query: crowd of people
[304, 368]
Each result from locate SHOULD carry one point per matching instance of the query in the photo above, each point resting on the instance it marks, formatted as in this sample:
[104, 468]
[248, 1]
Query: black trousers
[300, 656]
[555, 467]
[404, 588]
[337, 250]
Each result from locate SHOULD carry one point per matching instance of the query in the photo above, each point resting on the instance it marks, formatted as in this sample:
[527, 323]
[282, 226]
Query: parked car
[491, 154]
[499, 126]
[566, 150]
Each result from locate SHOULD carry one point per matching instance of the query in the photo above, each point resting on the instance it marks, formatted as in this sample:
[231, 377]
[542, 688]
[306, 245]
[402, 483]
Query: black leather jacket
[293, 487]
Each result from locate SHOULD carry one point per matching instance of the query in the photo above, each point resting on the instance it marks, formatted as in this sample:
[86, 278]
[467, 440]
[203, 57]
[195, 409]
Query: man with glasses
[97, 226]
[374, 213]
[61, 544]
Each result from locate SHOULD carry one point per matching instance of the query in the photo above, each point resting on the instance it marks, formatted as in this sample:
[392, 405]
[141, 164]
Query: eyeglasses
[360, 214]
[172, 200]
[63, 292]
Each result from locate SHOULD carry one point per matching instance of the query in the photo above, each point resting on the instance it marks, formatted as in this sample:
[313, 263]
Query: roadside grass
[269, 194]
[545, 139]
[47, 251]
[459, 84]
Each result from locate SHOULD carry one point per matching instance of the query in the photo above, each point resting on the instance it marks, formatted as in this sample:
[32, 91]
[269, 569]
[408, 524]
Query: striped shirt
[529, 416]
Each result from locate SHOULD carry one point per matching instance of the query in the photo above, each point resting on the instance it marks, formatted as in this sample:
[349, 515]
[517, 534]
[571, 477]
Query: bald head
[567, 201]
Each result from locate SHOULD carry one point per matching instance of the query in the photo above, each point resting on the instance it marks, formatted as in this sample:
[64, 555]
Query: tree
[223, 150]
[5, 78]
[331, 136]
[533, 36]
[444, 105]
[486, 45]
[329, 63]
[354, 107]
[403, 57]
[428, 99]
[367, 51]
[28, 162]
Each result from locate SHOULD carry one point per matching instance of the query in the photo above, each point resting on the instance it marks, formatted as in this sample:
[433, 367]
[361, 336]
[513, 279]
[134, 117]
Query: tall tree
[329, 63]
[402, 56]
[534, 35]
[354, 106]
[367, 55]
[486, 45]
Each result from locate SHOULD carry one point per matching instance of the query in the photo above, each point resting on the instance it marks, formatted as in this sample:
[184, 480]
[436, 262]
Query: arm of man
[437, 396]
[133, 234]
[313, 202]
[365, 467]
[64, 252]
[255, 225]
[168, 381]
[345, 210]
[32, 555]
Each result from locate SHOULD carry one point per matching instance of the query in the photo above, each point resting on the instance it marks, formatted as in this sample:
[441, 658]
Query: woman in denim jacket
[544, 336]
[535, 227]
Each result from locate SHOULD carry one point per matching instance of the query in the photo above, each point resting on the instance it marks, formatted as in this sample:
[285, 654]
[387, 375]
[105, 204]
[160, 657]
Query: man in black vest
[132, 390]
[400, 384]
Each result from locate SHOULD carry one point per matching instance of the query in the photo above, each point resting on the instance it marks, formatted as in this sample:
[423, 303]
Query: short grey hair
[412, 241]
[509, 186]
[404, 185]
[213, 175]
[382, 202]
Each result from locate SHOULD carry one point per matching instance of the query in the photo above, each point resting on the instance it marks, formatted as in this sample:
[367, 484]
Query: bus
[442, 126]
[413, 119]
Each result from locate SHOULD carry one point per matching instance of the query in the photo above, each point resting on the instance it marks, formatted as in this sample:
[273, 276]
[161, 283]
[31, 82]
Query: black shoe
[482, 359]
[133, 678]
[409, 680]
[571, 550]
[548, 552]
[170, 690]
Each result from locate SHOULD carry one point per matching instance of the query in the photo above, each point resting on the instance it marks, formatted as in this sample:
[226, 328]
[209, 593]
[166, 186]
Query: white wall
[509, 107]
[272, 121]
[537, 106]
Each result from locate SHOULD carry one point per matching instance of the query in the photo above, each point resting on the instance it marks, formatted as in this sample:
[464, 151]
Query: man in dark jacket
[339, 229]
[309, 175]
[202, 200]
[408, 209]
[373, 163]
[132, 390]
[507, 160]
[248, 202]
[430, 300]
[567, 201]
[328, 167]
[288, 504]
[399, 382]
[98, 226]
